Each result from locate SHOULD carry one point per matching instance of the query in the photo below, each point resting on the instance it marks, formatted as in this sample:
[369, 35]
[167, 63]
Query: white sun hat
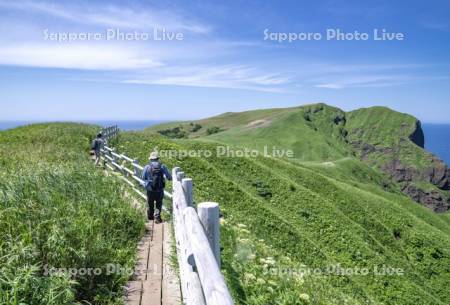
[154, 155]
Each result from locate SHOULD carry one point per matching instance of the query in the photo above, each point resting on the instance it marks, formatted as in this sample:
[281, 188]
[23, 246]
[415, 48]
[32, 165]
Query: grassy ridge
[57, 211]
[383, 123]
[311, 133]
[282, 219]
[380, 137]
[283, 215]
[384, 120]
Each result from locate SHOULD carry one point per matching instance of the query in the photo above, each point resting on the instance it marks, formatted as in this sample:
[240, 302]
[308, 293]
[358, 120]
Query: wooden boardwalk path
[197, 240]
[154, 282]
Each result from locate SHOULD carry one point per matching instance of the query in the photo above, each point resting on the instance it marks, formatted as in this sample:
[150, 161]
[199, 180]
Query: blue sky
[223, 63]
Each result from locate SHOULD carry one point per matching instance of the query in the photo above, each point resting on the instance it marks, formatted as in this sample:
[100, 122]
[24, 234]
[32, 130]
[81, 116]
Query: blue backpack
[157, 181]
[96, 144]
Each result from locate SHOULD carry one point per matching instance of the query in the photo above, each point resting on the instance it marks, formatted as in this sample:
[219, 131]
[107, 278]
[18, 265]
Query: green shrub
[195, 127]
[213, 130]
[174, 133]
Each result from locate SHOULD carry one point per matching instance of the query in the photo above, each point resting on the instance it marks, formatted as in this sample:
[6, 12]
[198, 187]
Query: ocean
[437, 136]
[437, 140]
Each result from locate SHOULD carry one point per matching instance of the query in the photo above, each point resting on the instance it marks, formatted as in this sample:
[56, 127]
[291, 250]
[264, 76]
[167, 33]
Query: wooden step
[155, 281]
[151, 292]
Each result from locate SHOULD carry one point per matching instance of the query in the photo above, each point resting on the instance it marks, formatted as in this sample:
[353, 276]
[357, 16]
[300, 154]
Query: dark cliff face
[431, 199]
[420, 175]
[417, 137]
[409, 179]
[436, 173]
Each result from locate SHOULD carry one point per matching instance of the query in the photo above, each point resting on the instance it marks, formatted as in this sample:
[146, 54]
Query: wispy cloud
[329, 86]
[86, 57]
[377, 81]
[113, 16]
[341, 76]
[365, 81]
[150, 62]
[229, 76]
[204, 60]
[26, 45]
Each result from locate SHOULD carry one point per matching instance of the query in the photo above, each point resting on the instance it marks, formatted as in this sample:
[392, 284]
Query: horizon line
[139, 120]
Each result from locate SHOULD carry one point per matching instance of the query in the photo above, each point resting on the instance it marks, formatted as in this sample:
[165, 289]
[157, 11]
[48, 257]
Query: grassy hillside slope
[294, 128]
[283, 220]
[388, 141]
[57, 211]
[322, 230]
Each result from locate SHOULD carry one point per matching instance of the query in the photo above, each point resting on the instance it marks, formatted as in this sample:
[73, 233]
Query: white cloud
[90, 57]
[355, 81]
[228, 76]
[332, 69]
[329, 86]
[25, 44]
[112, 16]
[376, 81]
[201, 61]
[341, 76]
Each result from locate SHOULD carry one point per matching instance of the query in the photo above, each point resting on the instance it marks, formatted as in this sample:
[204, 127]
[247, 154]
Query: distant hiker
[153, 175]
[97, 144]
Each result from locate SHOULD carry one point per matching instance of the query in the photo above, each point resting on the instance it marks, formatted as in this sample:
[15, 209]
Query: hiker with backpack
[97, 144]
[154, 175]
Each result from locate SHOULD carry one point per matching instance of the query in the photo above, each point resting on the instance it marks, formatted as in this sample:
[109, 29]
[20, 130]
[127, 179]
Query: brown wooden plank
[140, 270]
[155, 257]
[133, 293]
[151, 293]
[171, 291]
[143, 254]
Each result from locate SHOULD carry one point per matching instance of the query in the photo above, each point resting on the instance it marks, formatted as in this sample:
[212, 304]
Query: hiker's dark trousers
[154, 198]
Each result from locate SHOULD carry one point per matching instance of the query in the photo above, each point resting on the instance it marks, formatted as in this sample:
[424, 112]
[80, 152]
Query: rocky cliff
[394, 142]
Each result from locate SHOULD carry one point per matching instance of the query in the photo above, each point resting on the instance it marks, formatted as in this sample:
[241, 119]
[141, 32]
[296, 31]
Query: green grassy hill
[293, 230]
[57, 211]
[386, 140]
[284, 219]
[310, 131]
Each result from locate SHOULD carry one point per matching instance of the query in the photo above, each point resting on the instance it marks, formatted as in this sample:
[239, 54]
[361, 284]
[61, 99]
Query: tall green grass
[314, 219]
[57, 211]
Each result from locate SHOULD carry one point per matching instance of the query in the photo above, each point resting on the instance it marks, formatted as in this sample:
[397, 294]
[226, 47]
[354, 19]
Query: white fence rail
[110, 132]
[129, 168]
[197, 233]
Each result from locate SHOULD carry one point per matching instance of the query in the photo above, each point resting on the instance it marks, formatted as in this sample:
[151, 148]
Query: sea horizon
[437, 140]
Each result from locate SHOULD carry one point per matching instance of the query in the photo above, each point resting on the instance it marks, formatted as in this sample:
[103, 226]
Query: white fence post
[135, 169]
[213, 283]
[114, 157]
[190, 282]
[208, 213]
[180, 176]
[175, 171]
[108, 152]
[187, 184]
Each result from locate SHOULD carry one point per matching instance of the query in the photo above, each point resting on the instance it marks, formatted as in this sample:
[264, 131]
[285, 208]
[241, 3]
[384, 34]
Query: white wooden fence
[109, 132]
[197, 232]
